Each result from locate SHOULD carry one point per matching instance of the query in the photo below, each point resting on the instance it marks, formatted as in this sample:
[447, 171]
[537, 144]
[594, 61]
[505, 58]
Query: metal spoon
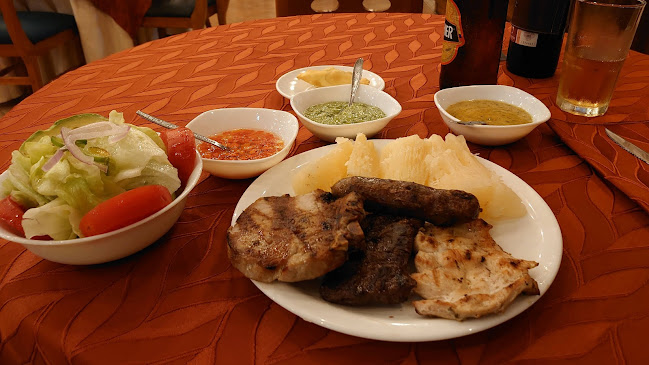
[168, 125]
[356, 79]
[473, 122]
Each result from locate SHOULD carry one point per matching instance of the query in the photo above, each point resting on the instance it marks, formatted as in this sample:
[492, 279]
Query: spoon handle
[473, 122]
[168, 125]
[356, 78]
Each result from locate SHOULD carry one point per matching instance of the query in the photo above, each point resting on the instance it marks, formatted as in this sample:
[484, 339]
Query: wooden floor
[238, 11]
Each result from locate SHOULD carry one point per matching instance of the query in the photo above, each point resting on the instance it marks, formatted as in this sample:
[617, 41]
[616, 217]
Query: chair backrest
[304, 7]
[18, 37]
[197, 18]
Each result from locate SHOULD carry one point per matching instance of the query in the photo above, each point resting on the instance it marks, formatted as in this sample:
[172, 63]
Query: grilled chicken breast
[462, 272]
[377, 273]
[295, 238]
[437, 206]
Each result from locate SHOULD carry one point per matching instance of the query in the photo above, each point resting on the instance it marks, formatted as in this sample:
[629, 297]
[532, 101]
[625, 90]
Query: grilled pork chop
[295, 238]
[463, 273]
[437, 206]
[378, 273]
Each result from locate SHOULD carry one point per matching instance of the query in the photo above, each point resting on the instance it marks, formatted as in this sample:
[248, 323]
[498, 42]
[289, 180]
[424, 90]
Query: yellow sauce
[489, 111]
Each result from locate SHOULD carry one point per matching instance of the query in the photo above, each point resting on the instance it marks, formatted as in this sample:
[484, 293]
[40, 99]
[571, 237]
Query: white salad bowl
[491, 135]
[366, 94]
[115, 244]
[281, 123]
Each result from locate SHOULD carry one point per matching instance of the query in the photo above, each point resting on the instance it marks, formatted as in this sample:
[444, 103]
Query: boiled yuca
[364, 160]
[452, 166]
[324, 172]
[435, 162]
[403, 159]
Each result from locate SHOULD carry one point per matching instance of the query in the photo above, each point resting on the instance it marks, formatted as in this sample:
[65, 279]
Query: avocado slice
[72, 122]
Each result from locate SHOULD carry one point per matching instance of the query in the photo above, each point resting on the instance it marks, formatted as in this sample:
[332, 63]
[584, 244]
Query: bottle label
[524, 38]
[453, 34]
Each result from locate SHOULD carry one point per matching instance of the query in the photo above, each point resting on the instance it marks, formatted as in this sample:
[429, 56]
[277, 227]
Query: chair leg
[199, 24]
[33, 71]
[162, 33]
[221, 9]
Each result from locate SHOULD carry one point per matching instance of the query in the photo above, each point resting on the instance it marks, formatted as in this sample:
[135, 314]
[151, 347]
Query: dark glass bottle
[537, 36]
[473, 35]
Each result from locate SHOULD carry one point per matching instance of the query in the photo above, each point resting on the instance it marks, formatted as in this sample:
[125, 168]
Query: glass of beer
[599, 37]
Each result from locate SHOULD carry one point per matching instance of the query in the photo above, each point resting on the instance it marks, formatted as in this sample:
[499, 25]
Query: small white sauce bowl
[365, 94]
[281, 123]
[111, 245]
[491, 135]
[288, 85]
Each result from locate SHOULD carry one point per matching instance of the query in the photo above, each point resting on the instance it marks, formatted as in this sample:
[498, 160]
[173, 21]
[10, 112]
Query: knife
[628, 146]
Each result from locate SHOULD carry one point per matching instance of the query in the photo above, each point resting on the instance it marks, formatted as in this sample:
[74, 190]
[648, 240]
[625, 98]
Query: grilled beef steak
[377, 273]
[462, 273]
[295, 238]
[437, 206]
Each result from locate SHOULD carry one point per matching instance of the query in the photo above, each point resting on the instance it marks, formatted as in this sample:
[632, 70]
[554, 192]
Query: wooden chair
[192, 14]
[440, 7]
[304, 7]
[29, 35]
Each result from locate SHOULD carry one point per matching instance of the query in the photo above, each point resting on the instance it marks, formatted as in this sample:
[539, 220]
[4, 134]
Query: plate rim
[380, 86]
[551, 229]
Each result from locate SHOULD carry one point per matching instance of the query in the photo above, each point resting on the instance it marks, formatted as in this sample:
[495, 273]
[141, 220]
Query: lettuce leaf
[18, 183]
[136, 160]
[55, 219]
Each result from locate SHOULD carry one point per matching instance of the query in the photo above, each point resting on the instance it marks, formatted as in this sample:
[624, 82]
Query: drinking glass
[599, 36]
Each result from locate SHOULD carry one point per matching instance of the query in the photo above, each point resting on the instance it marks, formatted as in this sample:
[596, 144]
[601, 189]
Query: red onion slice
[121, 133]
[114, 131]
[96, 130]
[69, 140]
[53, 160]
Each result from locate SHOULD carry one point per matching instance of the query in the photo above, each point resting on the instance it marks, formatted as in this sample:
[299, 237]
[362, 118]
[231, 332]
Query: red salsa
[243, 144]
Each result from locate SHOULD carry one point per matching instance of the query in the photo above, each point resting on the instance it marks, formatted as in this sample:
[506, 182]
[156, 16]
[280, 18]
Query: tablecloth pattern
[180, 301]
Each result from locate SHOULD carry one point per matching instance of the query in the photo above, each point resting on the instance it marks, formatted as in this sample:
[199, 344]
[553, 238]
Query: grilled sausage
[437, 206]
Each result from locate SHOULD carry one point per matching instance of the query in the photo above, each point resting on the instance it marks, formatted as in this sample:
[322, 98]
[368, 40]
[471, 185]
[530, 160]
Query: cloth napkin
[612, 162]
[127, 14]
[627, 116]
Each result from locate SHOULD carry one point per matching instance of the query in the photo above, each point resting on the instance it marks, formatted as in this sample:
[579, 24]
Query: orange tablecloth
[180, 301]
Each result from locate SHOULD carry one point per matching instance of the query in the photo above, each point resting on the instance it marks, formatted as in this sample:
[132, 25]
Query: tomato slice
[125, 209]
[11, 216]
[181, 148]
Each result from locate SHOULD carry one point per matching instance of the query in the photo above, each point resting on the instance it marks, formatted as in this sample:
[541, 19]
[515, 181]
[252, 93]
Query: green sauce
[338, 112]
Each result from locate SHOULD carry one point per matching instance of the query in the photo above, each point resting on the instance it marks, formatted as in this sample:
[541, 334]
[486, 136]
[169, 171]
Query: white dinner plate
[289, 85]
[536, 236]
